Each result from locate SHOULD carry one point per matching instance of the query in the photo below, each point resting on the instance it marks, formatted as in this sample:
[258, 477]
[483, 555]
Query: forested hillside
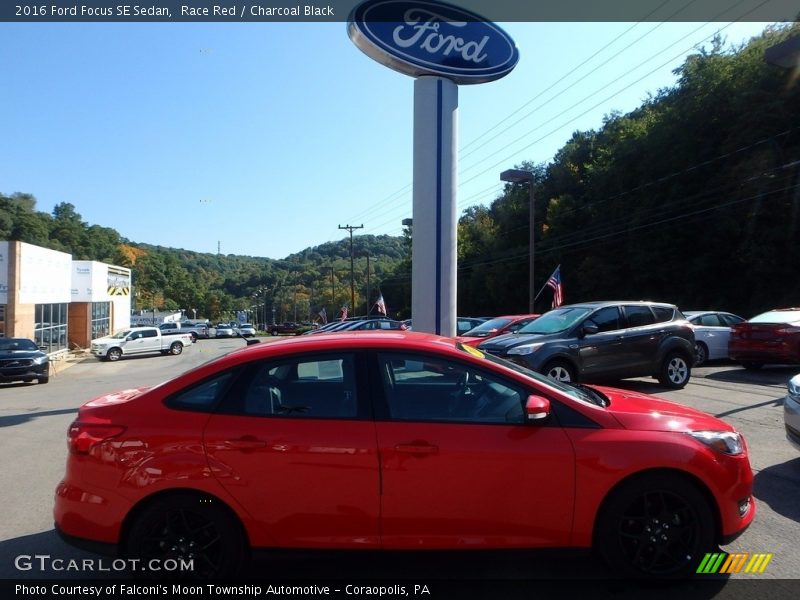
[693, 198]
[215, 285]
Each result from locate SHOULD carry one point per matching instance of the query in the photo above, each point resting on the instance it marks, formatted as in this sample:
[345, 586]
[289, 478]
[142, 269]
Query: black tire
[188, 527]
[752, 366]
[561, 370]
[274, 332]
[44, 379]
[194, 336]
[656, 525]
[175, 348]
[675, 371]
[701, 354]
[114, 354]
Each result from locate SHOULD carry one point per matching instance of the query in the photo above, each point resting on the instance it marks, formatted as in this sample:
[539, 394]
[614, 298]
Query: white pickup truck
[139, 340]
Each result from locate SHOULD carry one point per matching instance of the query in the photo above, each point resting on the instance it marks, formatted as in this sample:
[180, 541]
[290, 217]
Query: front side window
[421, 388]
[606, 319]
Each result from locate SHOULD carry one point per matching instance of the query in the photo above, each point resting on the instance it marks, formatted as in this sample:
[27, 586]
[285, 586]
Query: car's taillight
[787, 330]
[82, 437]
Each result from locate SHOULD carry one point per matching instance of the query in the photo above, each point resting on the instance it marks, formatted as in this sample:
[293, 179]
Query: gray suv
[604, 340]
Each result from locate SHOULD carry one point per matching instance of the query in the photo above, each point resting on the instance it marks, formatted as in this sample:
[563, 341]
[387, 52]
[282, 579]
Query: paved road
[34, 419]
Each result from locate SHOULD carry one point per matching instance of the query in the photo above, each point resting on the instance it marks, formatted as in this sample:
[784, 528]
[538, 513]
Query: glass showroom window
[2, 320]
[50, 330]
[101, 319]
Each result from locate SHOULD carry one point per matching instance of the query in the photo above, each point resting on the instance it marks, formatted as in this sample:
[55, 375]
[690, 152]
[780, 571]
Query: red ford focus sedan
[401, 441]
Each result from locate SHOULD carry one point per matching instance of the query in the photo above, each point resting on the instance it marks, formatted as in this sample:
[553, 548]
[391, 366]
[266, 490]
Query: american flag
[558, 289]
[381, 304]
[344, 312]
[323, 315]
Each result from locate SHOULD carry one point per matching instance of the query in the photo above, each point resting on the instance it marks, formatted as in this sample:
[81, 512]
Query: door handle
[247, 442]
[417, 448]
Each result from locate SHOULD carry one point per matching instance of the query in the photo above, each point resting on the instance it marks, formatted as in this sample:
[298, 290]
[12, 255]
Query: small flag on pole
[323, 314]
[381, 304]
[344, 313]
[558, 289]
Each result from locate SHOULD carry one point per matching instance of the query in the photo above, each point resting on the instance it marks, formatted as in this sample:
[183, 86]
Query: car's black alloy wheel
[187, 529]
[656, 526]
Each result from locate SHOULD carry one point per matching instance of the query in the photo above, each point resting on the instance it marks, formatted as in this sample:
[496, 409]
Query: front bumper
[791, 419]
[24, 372]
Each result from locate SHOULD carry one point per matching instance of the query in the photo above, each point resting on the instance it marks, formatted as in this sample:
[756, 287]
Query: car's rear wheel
[194, 336]
[658, 525]
[176, 348]
[701, 354]
[188, 528]
[114, 354]
[561, 370]
[675, 371]
[752, 366]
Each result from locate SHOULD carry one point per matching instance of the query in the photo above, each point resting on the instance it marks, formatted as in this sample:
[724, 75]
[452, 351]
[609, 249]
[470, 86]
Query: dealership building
[60, 303]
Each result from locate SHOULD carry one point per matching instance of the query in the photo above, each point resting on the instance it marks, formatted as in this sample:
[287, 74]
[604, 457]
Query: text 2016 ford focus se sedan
[397, 441]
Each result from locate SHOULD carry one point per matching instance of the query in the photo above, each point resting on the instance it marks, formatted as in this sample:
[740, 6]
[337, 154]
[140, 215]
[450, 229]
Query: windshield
[17, 344]
[246, 325]
[559, 319]
[488, 327]
[777, 316]
[582, 393]
[121, 334]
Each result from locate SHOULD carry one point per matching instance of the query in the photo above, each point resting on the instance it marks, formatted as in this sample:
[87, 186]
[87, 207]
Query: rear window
[777, 316]
[638, 316]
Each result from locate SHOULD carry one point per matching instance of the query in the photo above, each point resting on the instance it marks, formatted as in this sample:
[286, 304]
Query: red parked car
[397, 441]
[769, 338]
[496, 326]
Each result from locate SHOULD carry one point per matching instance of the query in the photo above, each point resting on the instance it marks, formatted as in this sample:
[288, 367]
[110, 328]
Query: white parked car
[139, 340]
[247, 330]
[791, 412]
[223, 330]
[712, 330]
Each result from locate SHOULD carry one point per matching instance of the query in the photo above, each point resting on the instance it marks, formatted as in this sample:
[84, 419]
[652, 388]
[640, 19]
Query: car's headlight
[39, 360]
[726, 442]
[794, 387]
[526, 348]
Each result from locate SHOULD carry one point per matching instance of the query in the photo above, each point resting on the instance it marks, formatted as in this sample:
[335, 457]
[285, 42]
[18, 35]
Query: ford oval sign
[432, 38]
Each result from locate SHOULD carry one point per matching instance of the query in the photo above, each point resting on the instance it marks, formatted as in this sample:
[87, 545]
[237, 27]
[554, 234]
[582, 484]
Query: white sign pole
[433, 268]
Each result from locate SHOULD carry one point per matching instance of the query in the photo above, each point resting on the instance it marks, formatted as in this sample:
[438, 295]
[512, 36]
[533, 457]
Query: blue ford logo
[432, 38]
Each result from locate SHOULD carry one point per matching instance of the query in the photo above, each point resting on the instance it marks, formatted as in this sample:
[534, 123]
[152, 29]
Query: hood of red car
[641, 412]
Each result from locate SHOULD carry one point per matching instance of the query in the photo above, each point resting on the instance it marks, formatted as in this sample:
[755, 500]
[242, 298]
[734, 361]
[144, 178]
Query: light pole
[519, 176]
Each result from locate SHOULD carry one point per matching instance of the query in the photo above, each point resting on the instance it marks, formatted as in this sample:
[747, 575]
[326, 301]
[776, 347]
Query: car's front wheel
[657, 525]
[114, 354]
[675, 371]
[189, 530]
[561, 370]
[44, 379]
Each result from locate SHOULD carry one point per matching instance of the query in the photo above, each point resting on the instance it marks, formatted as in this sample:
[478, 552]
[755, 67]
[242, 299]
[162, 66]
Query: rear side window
[711, 321]
[663, 313]
[731, 320]
[149, 333]
[204, 396]
[638, 316]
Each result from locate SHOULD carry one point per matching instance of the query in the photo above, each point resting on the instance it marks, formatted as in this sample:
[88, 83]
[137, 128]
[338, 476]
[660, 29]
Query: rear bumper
[102, 548]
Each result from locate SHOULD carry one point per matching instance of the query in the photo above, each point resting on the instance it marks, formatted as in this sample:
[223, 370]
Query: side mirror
[537, 408]
[590, 329]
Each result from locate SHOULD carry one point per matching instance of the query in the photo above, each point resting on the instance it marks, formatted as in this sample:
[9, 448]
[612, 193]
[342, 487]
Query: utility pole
[369, 295]
[350, 228]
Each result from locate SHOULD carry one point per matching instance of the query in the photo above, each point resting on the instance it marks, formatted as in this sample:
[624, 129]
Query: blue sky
[265, 137]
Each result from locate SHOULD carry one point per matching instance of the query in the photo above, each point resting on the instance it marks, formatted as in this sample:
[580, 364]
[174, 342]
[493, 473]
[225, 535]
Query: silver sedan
[791, 411]
[712, 330]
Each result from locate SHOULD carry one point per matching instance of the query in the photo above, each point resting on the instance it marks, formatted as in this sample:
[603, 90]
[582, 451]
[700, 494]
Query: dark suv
[604, 340]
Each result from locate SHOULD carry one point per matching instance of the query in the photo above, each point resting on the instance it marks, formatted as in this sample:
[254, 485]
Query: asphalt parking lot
[34, 419]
